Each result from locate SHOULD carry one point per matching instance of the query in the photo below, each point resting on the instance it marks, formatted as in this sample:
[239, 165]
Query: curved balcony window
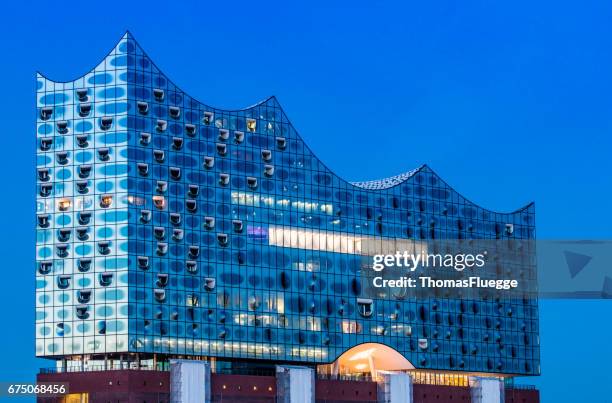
[194, 190]
[210, 283]
[104, 247]
[159, 155]
[82, 94]
[162, 280]
[106, 200]
[251, 125]
[143, 107]
[64, 204]
[106, 122]
[175, 173]
[61, 250]
[209, 222]
[177, 234]
[43, 174]
[59, 329]
[223, 239]
[159, 202]
[105, 279]
[191, 205]
[143, 169]
[43, 220]
[266, 155]
[209, 162]
[82, 140]
[160, 295]
[161, 187]
[62, 157]
[364, 306]
[268, 170]
[81, 311]
[45, 266]
[81, 186]
[63, 281]
[175, 218]
[190, 129]
[191, 266]
[82, 233]
[162, 248]
[221, 149]
[281, 143]
[84, 171]
[177, 143]
[174, 112]
[45, 113]
[252, 182]
[223, 134]
[159, 232]
[104, 154]
[208, 118]
[46, 143]
[194, 251]
[101, 327]
[84, 296]
[63, 234]
[84, 217]
[224, 179]
[143, 262]
[237, 224]
[145, 138]
[84, 109]
[161, 125]
[62, 126]
[145, 216]
[238, 137]
[84, 264]
[159, 94]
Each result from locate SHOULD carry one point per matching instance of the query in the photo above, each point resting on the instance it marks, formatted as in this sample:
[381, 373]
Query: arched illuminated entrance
[367, 359]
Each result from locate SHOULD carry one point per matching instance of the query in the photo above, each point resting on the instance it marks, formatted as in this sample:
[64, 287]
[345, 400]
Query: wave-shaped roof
[388, 183]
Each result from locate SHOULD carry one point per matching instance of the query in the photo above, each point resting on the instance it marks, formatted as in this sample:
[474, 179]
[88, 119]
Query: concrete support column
[486, 390]
[394, 387]
[295, 384]
[189, 381]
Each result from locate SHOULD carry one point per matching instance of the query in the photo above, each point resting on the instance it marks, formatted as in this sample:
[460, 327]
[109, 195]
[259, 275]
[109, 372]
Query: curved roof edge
[371, 185]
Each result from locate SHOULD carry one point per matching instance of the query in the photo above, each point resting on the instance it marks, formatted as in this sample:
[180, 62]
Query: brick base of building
[147, 386]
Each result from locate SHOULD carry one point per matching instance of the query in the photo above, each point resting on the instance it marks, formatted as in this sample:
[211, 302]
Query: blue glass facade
[219, 233]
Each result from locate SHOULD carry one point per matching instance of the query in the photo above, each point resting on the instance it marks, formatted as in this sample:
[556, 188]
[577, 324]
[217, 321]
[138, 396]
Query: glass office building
[167, 228]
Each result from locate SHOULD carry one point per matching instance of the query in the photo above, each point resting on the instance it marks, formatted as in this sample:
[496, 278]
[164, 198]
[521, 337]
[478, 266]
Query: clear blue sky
[508, 101]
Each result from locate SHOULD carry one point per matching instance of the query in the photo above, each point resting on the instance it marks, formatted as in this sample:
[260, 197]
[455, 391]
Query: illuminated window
[106, 200]
[251, 125]
[351, 326]
[159, 202]
[193, 300]
[64, 204]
